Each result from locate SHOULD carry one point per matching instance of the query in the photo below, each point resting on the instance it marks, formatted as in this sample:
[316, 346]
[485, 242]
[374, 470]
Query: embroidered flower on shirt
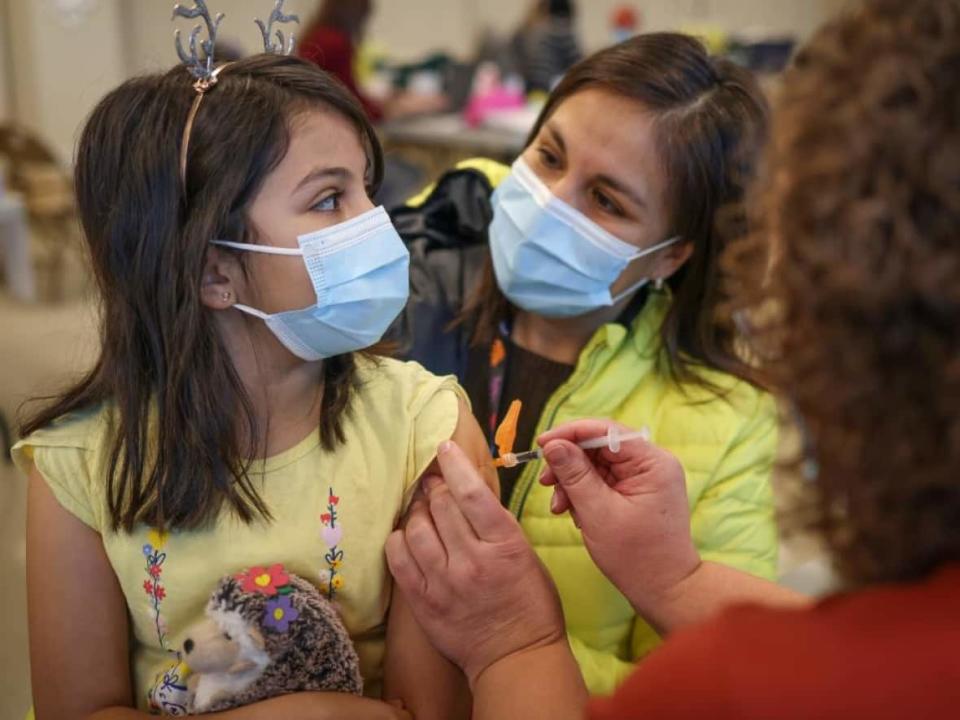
[155, 558]
[332, 534]
[265, 581]
[279, 613]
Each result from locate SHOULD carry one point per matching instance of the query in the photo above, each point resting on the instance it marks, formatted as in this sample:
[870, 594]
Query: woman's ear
[219, 284]
[671, 259]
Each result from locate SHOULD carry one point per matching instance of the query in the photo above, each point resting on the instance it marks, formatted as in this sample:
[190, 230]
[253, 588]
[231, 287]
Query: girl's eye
[548, 158]
[606, 204]
[227, 636]
[330, 203]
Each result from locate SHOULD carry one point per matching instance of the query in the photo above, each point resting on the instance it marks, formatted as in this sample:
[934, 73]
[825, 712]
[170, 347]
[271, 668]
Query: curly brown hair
[851, 281]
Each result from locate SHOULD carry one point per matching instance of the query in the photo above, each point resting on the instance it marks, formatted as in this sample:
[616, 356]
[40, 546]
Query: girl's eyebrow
[340, 173]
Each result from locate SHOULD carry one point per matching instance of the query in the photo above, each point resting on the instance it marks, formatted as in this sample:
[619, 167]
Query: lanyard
[497, 370]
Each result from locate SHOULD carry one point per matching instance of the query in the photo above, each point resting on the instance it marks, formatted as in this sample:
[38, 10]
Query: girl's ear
[221, 273]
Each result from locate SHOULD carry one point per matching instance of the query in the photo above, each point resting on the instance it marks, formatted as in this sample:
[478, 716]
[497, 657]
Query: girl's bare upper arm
[77, 614]
[469, 437]
[429, 685]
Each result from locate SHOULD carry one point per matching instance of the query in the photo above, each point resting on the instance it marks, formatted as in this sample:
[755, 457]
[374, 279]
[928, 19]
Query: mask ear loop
[658, 282]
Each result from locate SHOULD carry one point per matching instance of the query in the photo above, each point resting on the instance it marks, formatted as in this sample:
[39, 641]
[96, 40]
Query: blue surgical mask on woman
[360, 273]
[548, 257]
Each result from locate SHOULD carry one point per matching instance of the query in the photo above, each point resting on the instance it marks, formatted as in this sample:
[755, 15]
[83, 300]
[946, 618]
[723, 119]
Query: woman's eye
[606, 204]
[548, 159]
[330, 203]
[227, 636]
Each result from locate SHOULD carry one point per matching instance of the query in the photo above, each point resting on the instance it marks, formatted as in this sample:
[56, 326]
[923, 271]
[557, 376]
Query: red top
[882, 653]
[332, 49]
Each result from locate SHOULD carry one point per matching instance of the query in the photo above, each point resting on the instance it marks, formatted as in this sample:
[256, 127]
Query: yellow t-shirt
[332, 515]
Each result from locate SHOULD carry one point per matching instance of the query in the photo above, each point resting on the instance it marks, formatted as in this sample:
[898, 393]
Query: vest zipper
[525, 483]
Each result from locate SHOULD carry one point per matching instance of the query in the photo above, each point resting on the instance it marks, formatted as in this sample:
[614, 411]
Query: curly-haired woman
[850, 288]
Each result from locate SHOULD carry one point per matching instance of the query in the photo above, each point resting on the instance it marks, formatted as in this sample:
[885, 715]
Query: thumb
[586, 491]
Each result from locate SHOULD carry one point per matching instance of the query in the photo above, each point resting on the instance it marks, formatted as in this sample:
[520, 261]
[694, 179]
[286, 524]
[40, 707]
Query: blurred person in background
[331, 40]
[546, 44]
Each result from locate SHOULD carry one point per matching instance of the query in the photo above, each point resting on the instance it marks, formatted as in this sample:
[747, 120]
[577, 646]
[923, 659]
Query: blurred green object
[437, 62]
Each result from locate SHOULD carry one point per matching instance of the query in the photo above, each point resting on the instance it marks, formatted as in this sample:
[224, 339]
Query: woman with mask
[589, 286]
[852, 283]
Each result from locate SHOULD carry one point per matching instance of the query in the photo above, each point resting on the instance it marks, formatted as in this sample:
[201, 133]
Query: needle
[612, 441]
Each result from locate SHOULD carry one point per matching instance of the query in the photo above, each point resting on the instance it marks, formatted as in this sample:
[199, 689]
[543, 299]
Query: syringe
[612, 440]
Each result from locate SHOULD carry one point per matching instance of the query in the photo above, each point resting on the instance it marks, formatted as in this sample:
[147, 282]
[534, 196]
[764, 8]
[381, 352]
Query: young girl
[232, 419]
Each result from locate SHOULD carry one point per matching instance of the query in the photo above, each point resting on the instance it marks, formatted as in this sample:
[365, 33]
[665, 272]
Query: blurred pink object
[499, 98]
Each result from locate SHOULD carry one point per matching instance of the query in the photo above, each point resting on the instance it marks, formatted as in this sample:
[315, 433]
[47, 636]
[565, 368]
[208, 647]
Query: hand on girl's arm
[79, 643]
[414, 671]
[483, 597]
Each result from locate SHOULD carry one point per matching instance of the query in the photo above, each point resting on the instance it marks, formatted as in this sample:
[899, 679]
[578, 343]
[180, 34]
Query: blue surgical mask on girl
[550, 258]
[360, 272]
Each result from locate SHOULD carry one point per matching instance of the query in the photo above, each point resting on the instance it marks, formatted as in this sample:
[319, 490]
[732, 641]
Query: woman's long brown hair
[181, 421]
[711, 120]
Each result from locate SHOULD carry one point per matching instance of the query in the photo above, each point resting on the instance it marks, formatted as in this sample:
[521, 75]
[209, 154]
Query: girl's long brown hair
[181, 422]
[711, 120]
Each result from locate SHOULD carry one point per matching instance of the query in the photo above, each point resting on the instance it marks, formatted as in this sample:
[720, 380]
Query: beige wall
[60, 67]
[6, 106]
[56, 70]
[798, 17]
[408, 28]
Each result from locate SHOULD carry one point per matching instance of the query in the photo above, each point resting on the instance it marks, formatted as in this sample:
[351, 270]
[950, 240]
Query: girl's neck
[285, 392]
[559, 339]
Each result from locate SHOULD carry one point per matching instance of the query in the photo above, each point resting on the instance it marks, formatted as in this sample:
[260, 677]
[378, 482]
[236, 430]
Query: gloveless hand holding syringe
[612, 441]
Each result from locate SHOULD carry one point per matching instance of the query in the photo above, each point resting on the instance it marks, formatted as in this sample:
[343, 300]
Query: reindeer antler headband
[202, 68]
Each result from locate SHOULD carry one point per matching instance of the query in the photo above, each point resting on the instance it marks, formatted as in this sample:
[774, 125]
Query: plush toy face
[223, 643]
[267, 632]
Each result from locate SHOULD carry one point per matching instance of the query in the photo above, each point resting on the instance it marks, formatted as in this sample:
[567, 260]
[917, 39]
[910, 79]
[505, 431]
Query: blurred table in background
[15, 249]
[437, 142]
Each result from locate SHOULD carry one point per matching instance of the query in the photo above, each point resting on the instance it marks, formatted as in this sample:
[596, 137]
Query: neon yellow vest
[727, 448]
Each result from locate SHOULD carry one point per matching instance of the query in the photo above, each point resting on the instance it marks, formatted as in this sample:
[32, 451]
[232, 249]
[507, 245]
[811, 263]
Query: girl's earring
[226, 296]
[658, 284]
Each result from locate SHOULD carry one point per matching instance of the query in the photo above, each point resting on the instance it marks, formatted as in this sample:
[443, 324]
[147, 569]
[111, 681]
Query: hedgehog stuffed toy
[266, 633]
